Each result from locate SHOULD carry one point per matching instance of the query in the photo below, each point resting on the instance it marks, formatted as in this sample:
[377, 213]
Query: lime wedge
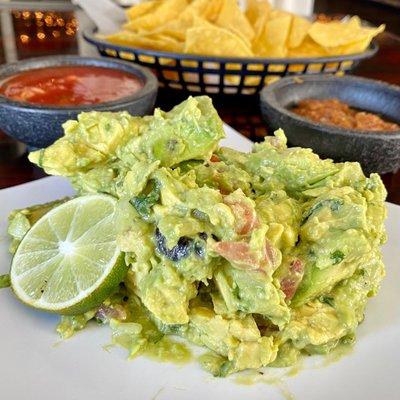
[69, 262]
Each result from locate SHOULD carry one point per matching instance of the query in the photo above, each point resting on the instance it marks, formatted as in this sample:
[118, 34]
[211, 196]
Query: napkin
[106, 14]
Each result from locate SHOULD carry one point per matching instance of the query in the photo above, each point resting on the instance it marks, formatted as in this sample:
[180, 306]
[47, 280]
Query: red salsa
[335, 112]
[70, 85]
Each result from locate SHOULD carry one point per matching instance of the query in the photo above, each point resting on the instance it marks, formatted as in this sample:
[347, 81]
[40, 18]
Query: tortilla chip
[259, 27]
[221, 28]
[257, 9]
[336, 33]
[215, 41]
[275, 13]
[272, 40]
[203, 8]
[142, 9]
[213, 9]
[151, 41]
[176, 28]
[201, 23]
[231, 17]
[308, 48]
[173, 29]
[166, 11]
[352, 48]
[298, 31]
[245, 39]
[354, 22]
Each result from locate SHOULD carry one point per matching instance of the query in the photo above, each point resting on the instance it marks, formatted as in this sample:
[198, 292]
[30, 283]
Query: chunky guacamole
[258, 257]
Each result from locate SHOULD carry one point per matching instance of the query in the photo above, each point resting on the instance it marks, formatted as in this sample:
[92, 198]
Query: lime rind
[69, 260]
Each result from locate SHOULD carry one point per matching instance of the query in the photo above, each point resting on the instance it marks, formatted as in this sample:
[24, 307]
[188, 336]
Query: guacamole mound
[258, 257]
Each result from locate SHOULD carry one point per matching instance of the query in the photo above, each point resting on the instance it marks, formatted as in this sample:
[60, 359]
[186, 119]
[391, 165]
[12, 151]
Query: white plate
[32, 367]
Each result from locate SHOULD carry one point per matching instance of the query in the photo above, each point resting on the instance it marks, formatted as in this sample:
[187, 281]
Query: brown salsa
[70, 85]
[335, 112]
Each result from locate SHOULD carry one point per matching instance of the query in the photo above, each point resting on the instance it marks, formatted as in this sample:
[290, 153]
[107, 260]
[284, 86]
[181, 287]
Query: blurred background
[38, 28]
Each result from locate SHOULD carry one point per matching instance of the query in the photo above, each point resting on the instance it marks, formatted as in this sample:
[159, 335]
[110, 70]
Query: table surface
[244, 116]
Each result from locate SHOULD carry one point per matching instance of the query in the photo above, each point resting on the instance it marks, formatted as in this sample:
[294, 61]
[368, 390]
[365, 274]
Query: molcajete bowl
[376, 151]
[39, 125]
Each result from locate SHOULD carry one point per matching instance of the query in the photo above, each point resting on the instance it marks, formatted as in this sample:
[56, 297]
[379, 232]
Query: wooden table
[244, 116]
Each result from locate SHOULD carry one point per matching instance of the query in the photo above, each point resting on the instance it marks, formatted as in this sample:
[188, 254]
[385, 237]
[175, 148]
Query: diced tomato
[270, 254]
[291, 282]
[245, 215]
[297, 266]
[215, 158]
[289, 287]
[105, 313]
[239, 253]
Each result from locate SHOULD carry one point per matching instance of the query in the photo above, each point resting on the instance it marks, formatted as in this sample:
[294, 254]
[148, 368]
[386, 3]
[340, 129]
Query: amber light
[45, 32]
[51, 19]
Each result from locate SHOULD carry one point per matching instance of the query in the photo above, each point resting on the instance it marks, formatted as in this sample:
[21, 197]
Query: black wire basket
[197, 74]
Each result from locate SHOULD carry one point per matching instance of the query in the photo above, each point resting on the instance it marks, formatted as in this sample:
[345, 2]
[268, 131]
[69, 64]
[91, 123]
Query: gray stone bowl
[376, 151]
[40, 125]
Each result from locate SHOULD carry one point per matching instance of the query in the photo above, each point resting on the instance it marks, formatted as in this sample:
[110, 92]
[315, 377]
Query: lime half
[69, 261]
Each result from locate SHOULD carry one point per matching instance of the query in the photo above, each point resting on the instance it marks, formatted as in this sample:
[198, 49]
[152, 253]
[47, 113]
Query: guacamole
[258, 257]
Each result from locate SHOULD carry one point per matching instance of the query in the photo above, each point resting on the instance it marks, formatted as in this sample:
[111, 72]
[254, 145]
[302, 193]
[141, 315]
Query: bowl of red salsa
[38, 95]
[344, 118]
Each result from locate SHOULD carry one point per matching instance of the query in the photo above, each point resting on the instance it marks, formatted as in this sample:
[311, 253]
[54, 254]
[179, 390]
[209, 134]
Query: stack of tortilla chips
[221, 28]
